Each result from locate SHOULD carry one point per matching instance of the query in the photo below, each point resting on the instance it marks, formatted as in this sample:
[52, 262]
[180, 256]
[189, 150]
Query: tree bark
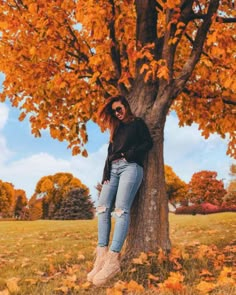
[149, 228]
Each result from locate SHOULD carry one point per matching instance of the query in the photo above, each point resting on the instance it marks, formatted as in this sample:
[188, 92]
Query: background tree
[76, 205]
[35, 208]
[204, 187]
[20, 202]
[7, 199]
[67, 56]
[52, 189]
[176, 188]
[25, 213]
[230, 197]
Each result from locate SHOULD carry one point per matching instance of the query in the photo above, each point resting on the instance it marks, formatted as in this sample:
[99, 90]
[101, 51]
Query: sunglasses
[117, 110]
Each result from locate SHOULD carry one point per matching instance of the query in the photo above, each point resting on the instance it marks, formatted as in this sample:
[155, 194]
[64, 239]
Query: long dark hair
[107, 118]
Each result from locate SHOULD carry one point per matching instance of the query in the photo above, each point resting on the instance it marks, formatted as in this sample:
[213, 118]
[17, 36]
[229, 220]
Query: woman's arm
[107, 167]
[145, 142]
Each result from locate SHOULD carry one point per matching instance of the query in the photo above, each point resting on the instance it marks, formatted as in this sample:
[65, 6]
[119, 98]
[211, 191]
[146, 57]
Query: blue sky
[24, 159]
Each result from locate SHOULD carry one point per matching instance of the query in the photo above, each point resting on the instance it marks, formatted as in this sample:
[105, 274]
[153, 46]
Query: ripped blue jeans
[120, 191]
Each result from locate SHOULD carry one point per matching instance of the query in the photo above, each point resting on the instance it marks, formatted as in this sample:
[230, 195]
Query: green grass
[42, 256]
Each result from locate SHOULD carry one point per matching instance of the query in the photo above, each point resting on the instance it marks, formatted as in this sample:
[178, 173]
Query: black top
[131, 139]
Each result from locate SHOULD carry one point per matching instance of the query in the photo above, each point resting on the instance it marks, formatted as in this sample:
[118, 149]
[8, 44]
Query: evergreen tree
[76, 205]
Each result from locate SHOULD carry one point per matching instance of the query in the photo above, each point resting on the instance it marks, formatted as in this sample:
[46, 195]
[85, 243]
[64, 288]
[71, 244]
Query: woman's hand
[106, 181]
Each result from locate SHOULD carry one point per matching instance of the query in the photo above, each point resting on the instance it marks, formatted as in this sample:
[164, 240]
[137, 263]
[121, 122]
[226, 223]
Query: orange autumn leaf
[133, 286]
[226, 277]
[121, 287]
[205, 287]
[86, 285]
[62, 289]
[12, 285]
[173, 282]
[153, 278]
[112, 291]
[143, 258]
[205, 272]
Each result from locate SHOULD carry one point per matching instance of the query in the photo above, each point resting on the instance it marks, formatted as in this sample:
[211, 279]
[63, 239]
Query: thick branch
[192, 42]
[226, 19]
[218, 18]
[169, 50]
[197, 49]
[115, 50]
[146, 22]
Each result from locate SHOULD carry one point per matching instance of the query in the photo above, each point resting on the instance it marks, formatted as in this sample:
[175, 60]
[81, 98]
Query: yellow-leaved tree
[52, 189]
[176, 188]
[7, 199]
[63, 58]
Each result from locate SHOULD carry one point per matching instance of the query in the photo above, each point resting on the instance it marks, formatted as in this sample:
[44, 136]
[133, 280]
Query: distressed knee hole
[101, 209]
[119, 212]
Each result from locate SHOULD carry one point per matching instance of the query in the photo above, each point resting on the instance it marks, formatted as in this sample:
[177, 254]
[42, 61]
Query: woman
[123, 172]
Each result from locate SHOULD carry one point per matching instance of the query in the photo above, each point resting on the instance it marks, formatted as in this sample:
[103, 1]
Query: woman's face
[119, 110]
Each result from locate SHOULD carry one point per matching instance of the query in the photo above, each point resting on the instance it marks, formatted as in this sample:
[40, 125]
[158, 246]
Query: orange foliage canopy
[61, 59]
[176, 188]
[204, 187]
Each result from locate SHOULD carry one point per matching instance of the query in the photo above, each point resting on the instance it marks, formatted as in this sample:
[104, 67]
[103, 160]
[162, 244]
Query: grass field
[53, 257]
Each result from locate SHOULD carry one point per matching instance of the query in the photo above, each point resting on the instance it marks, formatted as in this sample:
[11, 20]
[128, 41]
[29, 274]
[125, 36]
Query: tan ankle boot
[99, 262]
[109, 270]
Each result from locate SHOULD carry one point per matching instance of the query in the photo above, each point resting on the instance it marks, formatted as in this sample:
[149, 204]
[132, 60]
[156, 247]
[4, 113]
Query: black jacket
[131, 139]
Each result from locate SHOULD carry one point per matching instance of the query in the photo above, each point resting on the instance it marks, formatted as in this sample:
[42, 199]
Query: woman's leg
[105, 204]
[131, 176]
[130, 179]
[104, 208]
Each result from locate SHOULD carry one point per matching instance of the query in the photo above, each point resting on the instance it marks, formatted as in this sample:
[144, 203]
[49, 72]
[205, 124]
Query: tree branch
[197, 49]
[218, 18]
[168, 52]
[115, 50]
[146, 22]
[192, 42]
[226, 19]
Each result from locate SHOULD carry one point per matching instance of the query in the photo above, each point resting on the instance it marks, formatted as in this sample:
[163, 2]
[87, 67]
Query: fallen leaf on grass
[174, 282]
[205, 287]
[40, 273]
[111, 291]
[70, 270]
[69, 281]
[161, 256]
[175, 256]
[81, 257]
[134, 286]
[12, 285]
[153, 278]
[31, 281]
[121, 287]
[205, 272]
[141, 259]
[226, 277]
[86, 285]
[63, 289]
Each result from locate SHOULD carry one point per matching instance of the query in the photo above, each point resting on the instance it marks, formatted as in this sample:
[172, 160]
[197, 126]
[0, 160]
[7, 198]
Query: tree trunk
[149, 228]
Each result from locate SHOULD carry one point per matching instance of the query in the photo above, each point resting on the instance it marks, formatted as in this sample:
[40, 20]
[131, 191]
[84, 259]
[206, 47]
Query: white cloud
[3, 115]
[5, 152]
[188, 152]
[26, 172]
